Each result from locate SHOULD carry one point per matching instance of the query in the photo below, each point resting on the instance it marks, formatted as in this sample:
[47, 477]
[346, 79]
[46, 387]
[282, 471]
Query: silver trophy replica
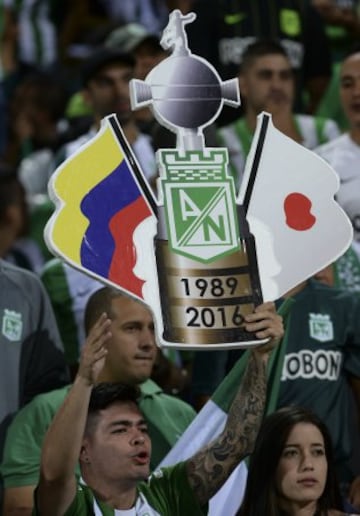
[205, 254]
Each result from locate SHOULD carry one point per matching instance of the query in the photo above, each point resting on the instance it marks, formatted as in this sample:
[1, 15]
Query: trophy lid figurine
[185, 92]
[199, 255]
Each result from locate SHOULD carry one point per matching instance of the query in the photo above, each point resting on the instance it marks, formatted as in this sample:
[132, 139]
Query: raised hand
[94, 351]
[265, 323]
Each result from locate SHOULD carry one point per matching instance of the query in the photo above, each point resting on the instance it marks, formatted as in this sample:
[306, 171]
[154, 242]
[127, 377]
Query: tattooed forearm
[211, 466]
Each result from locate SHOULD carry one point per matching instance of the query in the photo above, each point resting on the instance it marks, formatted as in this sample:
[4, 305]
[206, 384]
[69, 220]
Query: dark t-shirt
[231, 25]
[323, 350]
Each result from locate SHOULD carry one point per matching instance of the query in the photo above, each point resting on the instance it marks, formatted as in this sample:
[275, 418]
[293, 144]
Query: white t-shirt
[343, 154]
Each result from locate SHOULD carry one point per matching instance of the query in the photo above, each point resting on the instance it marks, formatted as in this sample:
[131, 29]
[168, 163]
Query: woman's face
[302, 469]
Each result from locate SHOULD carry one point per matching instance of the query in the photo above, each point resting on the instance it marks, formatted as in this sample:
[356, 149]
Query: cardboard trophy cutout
[198, 256]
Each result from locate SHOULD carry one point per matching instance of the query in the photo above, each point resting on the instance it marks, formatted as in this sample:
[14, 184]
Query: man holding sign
[109, 437]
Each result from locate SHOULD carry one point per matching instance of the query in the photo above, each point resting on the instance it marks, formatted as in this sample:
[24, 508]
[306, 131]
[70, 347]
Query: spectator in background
[145, 47]
[69, 291]
[31, 43]
[342, 26]
[88, 22]
[267, 84]
[343, 153]
[231, 26]
[37, 31]
[31, 356]
[37, 128]
[105, 76]
[16, 245]
[151, 14]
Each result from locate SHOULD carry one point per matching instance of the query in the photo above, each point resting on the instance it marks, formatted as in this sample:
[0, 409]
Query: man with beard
[267, 84]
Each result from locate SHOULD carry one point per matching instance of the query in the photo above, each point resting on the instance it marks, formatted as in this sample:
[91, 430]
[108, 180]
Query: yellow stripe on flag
[73, 180]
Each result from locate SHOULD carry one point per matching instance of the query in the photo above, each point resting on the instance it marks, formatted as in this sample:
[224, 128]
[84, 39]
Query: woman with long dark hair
[291, 471]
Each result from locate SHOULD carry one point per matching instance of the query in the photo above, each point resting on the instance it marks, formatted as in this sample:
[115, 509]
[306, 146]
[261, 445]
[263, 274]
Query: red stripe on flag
[122, 227]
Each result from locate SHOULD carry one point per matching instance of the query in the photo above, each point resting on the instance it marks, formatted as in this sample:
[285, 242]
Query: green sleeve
[80, 506]
[22, 451]
[56, 285]
[169, 493]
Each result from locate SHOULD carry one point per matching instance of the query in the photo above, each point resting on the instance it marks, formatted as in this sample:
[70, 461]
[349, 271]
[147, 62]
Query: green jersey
[323, 351]
[166, 493]
[237, 138]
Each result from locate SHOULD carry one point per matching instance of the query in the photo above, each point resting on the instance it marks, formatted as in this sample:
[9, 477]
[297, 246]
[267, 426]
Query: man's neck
[131, 131]
[116, 494]
[295, 509]
[107, 376]
[251, 119]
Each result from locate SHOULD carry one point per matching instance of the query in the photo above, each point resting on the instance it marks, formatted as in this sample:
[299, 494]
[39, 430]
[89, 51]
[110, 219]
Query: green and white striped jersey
[37, 31]
[237, 137]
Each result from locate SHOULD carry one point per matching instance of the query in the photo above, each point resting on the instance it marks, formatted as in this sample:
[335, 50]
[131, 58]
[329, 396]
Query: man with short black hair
[267, 83]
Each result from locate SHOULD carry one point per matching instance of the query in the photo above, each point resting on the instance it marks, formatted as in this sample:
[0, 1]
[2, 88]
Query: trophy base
[205, 304]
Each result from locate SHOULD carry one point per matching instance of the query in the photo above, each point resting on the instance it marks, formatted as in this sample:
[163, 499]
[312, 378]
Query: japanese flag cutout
[288, 197]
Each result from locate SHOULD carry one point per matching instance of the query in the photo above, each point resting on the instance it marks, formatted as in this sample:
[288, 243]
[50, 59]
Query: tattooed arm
[209, 468]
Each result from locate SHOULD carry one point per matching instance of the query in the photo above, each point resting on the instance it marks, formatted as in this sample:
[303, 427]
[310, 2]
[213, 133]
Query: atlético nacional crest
[200, 208]
[321, 327]
[12, 325]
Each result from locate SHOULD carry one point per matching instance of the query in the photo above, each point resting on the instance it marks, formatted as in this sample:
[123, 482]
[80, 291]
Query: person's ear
[84, 453]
